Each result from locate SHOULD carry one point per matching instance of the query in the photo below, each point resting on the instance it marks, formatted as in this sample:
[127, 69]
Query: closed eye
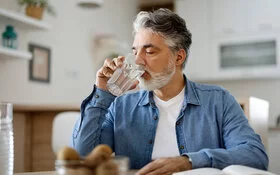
[149, 53]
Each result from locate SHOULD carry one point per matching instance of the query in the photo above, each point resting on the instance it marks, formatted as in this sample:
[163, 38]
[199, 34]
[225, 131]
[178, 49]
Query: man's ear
[181, 57]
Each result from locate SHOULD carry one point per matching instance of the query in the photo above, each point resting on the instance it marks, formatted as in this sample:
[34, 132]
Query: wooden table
[131, 172]
[38, 173]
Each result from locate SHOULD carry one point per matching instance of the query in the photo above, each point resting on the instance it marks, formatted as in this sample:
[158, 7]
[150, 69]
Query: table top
[37, 173]
[131, 172]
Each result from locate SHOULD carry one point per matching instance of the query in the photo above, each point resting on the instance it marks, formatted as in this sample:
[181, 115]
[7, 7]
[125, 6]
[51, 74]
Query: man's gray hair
[167, 24]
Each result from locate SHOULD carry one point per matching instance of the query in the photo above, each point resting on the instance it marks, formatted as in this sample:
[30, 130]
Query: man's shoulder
[210, 93]
[206, 87]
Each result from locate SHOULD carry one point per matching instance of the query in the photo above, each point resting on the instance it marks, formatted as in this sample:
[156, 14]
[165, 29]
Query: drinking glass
[122, 163]
[124, 77]
[6, 139]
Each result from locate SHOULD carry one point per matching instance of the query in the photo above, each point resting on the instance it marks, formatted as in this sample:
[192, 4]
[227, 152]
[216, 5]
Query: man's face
[153, 53]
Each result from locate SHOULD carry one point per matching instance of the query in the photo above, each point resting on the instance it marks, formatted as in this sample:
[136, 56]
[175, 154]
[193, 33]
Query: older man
[174, 124]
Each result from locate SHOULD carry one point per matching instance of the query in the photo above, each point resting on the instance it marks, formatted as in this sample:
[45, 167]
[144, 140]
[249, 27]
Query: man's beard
[158, 80]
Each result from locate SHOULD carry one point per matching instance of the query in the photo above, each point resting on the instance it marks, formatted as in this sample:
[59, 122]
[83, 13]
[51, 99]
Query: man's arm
[87, 130]
[241, 144]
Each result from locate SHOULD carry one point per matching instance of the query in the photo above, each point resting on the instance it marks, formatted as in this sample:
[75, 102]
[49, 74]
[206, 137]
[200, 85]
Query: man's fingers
[110, 64]
[148, 168]
[119, 61]
[157, 169]
[107, 72]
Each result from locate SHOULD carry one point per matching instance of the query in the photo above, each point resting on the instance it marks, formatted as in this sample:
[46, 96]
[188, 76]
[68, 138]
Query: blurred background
[53, 60]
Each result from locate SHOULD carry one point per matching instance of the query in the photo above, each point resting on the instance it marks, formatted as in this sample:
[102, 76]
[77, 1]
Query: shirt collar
[191, 96]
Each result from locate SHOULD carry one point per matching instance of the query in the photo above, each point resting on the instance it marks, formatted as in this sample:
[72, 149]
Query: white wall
[71, 40]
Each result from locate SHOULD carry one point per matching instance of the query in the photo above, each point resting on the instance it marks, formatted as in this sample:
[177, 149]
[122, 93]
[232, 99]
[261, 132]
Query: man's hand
[164, 166]
[107, 70]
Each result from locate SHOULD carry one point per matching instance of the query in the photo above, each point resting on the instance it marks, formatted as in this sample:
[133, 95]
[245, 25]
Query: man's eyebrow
[146, 46]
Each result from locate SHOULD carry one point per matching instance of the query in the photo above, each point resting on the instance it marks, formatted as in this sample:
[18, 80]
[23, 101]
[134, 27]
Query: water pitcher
[6, 139]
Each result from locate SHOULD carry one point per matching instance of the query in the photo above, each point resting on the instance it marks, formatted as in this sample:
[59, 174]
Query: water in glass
[124, 77]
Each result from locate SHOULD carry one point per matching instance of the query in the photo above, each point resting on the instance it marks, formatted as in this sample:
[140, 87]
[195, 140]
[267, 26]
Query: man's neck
[173, 88]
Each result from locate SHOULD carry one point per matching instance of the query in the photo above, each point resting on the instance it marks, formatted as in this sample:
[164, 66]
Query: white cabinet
[220, 22]
[196, 15]
[228, 17]
[263, 16]
[244, 23]
[244, 16]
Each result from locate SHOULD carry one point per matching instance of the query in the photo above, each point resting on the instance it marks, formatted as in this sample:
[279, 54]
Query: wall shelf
[7, 52]
[23, 21]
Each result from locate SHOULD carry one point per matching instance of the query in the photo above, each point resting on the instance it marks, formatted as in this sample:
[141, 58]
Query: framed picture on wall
[39, 65]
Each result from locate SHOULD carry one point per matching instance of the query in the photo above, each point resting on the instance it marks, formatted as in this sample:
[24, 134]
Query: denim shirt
[211, 128]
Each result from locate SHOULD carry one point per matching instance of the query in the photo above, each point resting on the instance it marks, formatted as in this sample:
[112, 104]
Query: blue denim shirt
[211, 128]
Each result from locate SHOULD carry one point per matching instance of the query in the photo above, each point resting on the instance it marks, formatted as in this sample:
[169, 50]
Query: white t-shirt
[165, 144]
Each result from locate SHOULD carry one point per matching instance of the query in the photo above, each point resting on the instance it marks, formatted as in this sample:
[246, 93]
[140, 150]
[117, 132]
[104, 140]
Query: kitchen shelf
[12, 53]
[23, 21]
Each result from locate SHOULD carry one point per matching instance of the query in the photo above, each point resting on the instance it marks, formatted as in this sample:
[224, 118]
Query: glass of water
[6, 139]
[124, 77]
[123, 164]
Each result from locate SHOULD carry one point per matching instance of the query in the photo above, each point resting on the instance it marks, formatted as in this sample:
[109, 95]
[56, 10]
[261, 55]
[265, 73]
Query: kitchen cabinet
[228, 17]
[263, 16]
[243, 23]
[243, 17]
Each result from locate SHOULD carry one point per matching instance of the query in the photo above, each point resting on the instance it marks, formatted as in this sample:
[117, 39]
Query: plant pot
[34, 11]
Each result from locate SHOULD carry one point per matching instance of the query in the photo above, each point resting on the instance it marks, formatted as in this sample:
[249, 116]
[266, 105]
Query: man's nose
[139, 60]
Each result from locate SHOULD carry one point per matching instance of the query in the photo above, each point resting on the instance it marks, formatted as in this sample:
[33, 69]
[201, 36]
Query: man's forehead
[147, 39]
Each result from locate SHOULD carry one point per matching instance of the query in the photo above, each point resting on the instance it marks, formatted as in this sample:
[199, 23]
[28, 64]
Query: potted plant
[35, 8]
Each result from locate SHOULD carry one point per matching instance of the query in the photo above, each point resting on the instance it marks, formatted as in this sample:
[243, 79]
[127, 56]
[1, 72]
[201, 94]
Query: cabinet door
[229, 16]
[263, 15]
[196, 15]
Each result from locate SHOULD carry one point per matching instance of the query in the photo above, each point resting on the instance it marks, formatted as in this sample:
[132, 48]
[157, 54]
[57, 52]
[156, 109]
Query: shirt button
[155, 117]
[96, 96]
[150, 141]
[182, 147]
[177, 123]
